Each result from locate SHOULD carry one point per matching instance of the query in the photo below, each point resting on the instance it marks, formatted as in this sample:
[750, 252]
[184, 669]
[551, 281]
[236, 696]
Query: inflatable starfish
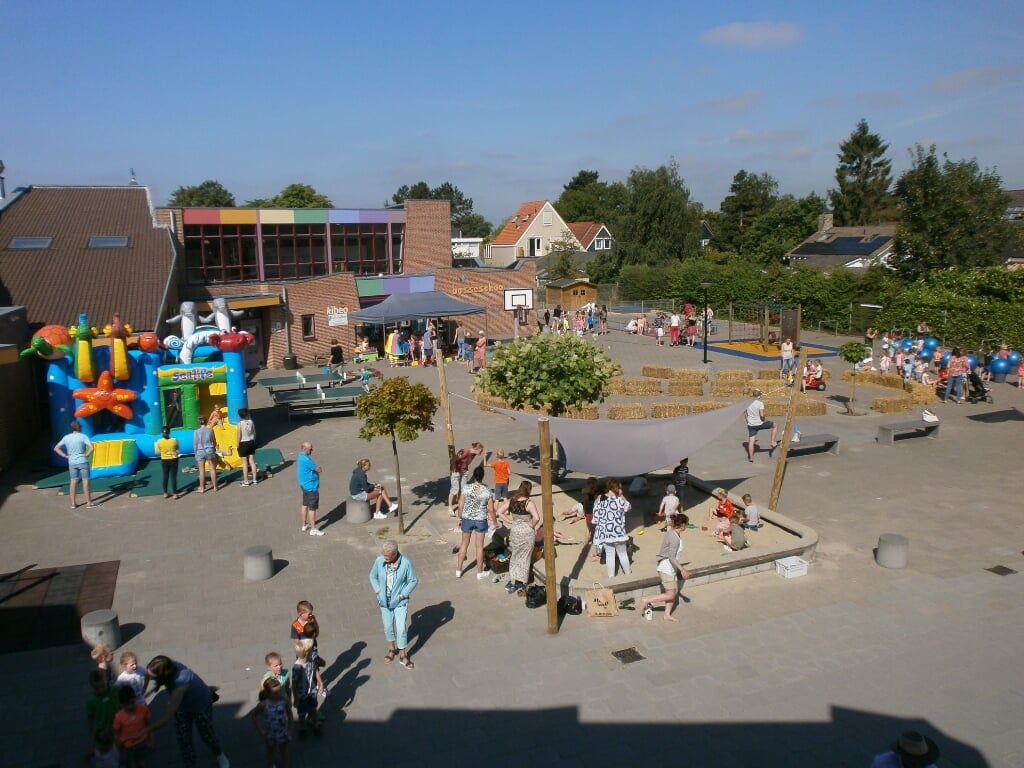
[104, 396]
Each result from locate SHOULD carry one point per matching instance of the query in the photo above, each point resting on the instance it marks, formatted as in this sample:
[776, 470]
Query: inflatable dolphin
[222, 316]
[187, 317]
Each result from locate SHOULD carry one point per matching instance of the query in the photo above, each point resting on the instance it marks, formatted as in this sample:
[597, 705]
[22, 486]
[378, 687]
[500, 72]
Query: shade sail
[627, 448]
[410, 306]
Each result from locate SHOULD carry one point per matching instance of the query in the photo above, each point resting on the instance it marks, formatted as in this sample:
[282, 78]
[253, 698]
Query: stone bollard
[892, 550]
[101, 627]
[259, 563]
[357, 511]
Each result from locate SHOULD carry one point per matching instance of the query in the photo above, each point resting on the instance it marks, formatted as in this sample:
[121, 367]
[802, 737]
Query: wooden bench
[830, 443]
[887, 432]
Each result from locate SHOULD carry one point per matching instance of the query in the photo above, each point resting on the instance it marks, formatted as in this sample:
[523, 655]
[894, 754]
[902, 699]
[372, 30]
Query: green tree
[783, 226]
[561, 261]
[952, 215]
[209, 194]
[750, 196]
[547, 372]
[293, 196]
[662, 224]
[852, 352]
[397, 409]
[585, 198]
[864, 176]
[475, 225]
[463, 218]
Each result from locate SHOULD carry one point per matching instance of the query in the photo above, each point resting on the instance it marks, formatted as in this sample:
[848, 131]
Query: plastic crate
[791, 567]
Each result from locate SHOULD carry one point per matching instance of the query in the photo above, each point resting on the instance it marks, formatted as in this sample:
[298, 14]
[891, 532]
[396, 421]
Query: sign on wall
[337, 316]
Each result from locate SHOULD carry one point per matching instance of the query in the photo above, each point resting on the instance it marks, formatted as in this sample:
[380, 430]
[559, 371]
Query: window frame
[310, 320]
[29, 243]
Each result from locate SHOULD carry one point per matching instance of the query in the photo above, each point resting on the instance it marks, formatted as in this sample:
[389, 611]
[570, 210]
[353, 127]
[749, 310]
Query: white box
[791, 567]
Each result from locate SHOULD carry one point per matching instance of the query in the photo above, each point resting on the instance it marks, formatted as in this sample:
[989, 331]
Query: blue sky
[505, 100]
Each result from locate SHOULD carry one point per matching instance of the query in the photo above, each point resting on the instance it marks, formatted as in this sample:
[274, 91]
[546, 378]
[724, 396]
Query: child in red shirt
[130, 725]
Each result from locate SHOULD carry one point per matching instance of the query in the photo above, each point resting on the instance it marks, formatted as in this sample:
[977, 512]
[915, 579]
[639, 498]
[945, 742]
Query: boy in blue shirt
[308, 474]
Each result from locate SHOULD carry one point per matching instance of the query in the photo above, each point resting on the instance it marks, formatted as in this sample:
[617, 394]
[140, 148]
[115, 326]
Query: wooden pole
[548, 516]
[787, 435]
[446, 408]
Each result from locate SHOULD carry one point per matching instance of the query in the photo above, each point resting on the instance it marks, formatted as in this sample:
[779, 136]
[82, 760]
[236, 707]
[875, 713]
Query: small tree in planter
[397, 409]
[853, 353]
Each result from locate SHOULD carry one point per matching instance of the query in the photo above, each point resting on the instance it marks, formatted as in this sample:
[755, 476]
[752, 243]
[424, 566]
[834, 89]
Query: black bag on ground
[570, 605]
[536, 596]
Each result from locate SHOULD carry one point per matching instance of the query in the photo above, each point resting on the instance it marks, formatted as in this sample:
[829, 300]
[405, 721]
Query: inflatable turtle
[50, 343]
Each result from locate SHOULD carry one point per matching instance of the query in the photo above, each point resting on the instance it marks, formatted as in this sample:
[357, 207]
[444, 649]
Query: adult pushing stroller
[979, 392]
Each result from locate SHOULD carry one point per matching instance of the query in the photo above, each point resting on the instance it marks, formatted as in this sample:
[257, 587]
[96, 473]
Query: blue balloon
[972, 361]
[999, 365]
[906, 344]
[1013, 358]
[931, 343]
[925, 354]
[945, 358]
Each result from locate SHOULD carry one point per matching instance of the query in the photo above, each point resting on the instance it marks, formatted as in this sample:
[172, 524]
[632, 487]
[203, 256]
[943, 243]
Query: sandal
[405, 661]
[390, 656]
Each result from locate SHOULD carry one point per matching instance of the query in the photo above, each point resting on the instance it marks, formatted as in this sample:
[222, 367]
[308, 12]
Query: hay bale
[703, 406]
[670, 410]
[626, 411]
[489, 402]
[690, 374]
[685, 388]
[735, 388]
[657, 371]
[776, 407]
[734, 375]
[775, 388]
[768, 373]
[806, 406]
[898, 404]
[635, 386]
[920, 394]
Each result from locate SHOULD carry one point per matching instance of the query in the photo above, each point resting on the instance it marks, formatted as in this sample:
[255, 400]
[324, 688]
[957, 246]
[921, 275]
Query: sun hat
[915, 750]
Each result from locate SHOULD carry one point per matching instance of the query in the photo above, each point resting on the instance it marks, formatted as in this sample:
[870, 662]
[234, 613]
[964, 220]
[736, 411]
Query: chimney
[824, 222]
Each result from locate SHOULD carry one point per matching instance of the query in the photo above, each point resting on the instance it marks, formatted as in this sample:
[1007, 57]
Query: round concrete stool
[892, 550]
[259, 563]
[357, 511]
[101, 627]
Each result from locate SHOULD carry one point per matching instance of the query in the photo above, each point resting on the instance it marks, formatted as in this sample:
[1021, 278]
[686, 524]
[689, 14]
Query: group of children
[116, 712]
[732, 524]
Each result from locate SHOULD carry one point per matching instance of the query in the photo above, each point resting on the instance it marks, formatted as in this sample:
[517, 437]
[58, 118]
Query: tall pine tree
[864, 175]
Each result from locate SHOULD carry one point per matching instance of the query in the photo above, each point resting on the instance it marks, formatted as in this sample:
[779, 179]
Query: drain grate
[628, 655]
[1000, 570]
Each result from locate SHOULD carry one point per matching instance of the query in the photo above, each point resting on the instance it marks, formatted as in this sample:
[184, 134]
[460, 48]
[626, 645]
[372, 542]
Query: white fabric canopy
[626, 448]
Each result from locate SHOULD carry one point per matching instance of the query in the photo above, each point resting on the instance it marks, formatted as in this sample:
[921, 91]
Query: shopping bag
[601, 601]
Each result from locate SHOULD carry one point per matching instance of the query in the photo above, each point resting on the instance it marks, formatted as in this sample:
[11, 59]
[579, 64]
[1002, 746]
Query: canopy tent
[408, 306]
[627, 448]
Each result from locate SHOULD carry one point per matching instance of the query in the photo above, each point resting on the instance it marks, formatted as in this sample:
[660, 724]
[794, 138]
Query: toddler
[306, 685]
[103, 655]
[105, 753]
[502, 470]
[130, 676]
[273, 718]
[751, 514]
[670, 505]
[130, 726]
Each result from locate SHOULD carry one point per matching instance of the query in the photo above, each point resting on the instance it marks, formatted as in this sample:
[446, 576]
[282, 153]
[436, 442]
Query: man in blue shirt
[308, 475]
[76, 448]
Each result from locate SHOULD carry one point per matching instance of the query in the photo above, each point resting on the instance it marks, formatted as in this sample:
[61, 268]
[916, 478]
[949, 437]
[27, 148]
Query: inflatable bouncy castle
[124, 396]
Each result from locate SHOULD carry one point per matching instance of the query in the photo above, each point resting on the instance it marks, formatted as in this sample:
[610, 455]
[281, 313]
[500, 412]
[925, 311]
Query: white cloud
[741, 102]
[756, 34]
[979, 77]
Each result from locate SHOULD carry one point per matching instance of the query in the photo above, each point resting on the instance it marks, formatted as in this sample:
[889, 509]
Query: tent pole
[446, 408]
[548, 516]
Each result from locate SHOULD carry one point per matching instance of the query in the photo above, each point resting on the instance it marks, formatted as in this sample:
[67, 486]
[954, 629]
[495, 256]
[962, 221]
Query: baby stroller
[979, 393]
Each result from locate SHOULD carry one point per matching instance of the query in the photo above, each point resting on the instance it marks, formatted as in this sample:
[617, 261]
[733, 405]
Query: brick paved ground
[820, 670]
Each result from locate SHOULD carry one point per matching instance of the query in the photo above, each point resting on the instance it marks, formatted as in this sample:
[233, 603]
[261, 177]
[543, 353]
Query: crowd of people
[681, 327]
[590, 318]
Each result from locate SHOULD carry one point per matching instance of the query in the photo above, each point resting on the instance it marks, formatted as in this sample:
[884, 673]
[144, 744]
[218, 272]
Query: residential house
[529, 234]
[593, 237]
[834, 247]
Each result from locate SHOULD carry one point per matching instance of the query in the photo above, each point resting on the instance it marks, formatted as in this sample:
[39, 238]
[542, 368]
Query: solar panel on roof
[841, 246]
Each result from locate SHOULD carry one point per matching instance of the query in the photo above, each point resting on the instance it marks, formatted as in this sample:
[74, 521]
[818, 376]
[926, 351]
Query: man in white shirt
[756, 422]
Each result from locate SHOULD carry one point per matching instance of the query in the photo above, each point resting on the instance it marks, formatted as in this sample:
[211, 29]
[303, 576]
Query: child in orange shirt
[130, 725]
[502, 470]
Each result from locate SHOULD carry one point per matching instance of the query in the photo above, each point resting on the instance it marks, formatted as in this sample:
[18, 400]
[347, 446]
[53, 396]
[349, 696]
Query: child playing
[130, 676]
[102, 704]
[1020, 373]
[670, 504]
[273, 718]
[276, 671]
[751, 514]
[105, 753]
[304, 609]
[103, 655]
[502, 470]
[681, 474]
[130, 726]
[733, 537]
[306, 685]
[722, 512]
[364, 378]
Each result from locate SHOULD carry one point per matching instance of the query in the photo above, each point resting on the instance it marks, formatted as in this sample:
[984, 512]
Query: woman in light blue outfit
[393, 578]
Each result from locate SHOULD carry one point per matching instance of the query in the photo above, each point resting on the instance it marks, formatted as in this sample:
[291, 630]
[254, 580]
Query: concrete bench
[887, 432]
[101, 627]
[830, 443]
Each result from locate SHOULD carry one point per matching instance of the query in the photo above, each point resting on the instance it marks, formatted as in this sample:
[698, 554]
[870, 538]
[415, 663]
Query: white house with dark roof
[847, 247]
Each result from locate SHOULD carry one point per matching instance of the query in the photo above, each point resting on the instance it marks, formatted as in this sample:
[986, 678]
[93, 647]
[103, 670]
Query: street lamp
[705, 285]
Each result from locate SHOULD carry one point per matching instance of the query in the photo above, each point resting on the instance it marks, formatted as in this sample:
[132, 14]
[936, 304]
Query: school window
[309, 327]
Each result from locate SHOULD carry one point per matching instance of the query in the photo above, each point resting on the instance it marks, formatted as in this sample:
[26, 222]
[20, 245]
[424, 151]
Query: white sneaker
[315, 532]
[379, 516]
[458, 574]
[393, 507]
[305, 527]
[483, 575]
[222, 761]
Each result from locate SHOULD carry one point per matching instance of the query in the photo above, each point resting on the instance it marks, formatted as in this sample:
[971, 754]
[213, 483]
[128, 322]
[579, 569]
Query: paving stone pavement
[760, 671]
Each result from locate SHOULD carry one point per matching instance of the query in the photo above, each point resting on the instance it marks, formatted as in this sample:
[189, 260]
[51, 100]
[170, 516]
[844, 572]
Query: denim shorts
[474, 526]
[752, 431]
[79, 471]
[311, 500]
[361, 496]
